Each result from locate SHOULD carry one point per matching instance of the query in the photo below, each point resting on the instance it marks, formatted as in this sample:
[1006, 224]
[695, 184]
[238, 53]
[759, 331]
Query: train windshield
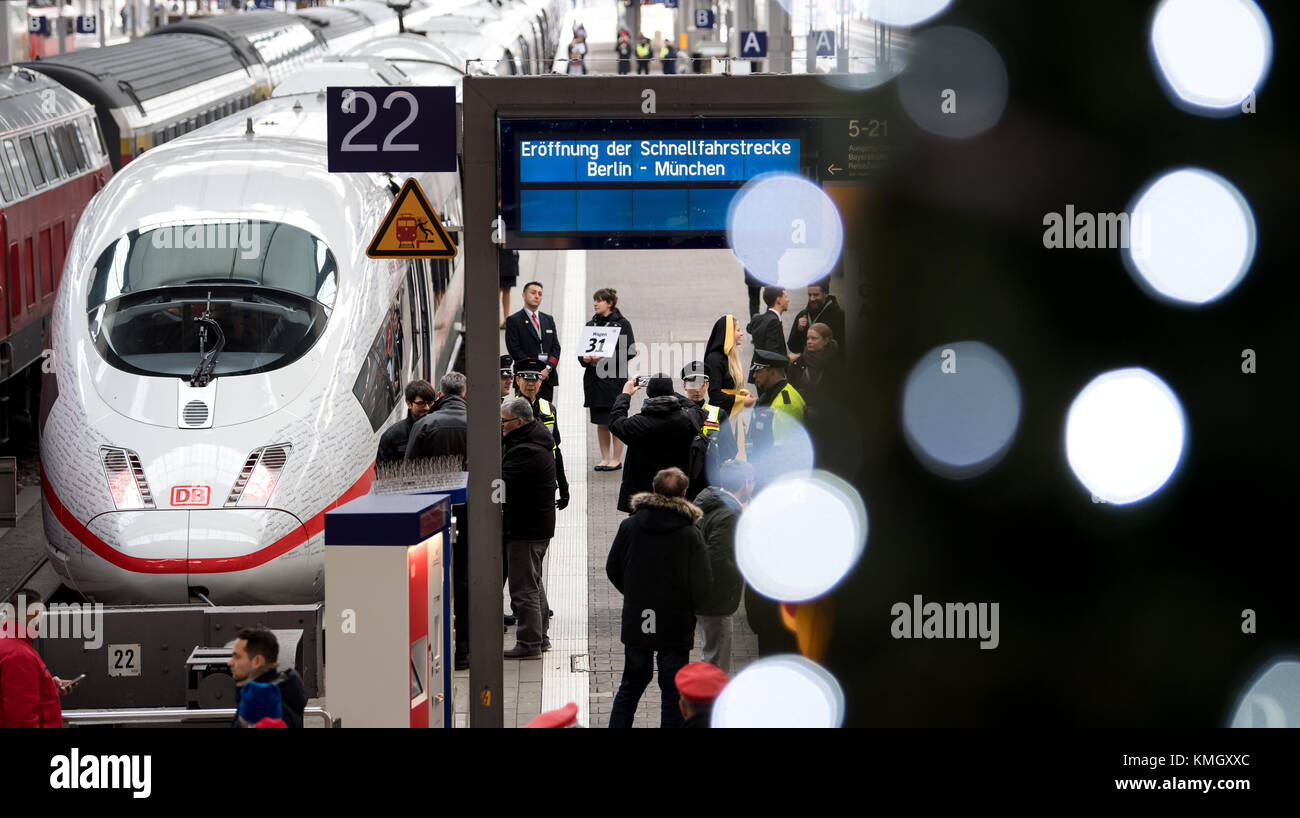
[230, 298]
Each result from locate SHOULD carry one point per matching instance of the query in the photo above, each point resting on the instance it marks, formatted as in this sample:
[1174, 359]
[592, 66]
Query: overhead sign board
[638, 182]
[38, 25]
[411, 229]
[753, 45]
[703, 18]
[404, 129]
[86, 24]
[823, 42]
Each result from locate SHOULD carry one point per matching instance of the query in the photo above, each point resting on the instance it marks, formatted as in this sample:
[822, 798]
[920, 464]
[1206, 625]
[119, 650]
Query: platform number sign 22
[378, 129]
[124, 660]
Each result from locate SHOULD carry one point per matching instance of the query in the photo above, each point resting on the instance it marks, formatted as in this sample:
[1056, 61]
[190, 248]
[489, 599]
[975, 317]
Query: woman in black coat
[604, 377]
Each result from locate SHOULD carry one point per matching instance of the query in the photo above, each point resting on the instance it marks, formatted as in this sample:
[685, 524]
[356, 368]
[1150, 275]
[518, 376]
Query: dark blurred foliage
[1109, 615]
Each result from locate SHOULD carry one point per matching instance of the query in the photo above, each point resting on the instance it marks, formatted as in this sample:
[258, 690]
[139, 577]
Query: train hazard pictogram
[411, 229]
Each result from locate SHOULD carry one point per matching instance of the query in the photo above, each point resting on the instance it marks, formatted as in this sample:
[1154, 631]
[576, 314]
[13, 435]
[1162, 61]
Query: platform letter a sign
[751, 44]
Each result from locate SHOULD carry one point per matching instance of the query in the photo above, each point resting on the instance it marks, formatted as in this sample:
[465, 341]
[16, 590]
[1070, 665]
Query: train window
[46, 148]
[46, 262]
[378, 385]
[33, 166]
[100, 145]
[6, 189]
[15, 167]
[269, 287]
[71, 146]
[45, 153]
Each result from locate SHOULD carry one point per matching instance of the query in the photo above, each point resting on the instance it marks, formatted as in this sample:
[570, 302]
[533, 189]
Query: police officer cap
[694, 371]
[763, 357]
[529, 369]
[507, 366]
[566, 716]
[700, 682]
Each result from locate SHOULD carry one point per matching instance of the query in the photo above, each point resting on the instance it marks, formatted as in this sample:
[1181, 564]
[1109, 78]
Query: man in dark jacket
[765, 329]
[658, 563]
[722, 505]
[528, 384]
[392, 443]
[822, 309]
[528, 521]
[444, 432]
[254, 659]
[531, 336]
[657, 438]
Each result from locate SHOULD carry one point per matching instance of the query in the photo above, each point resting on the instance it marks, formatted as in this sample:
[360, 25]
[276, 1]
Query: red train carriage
[52, 162]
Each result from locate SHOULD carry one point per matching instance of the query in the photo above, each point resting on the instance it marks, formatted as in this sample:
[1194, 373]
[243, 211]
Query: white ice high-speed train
[168, 471]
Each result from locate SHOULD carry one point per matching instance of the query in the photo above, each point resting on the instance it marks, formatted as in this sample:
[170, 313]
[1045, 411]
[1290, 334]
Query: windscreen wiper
[207, 361]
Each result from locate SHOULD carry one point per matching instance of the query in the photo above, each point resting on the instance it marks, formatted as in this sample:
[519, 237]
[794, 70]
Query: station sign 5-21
[408, 129]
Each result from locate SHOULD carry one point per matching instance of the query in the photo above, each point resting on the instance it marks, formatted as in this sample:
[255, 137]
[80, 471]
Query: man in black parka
[659, 564]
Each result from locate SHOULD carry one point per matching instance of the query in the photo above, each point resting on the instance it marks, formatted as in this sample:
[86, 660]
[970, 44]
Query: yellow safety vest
[643, 51]
[789, 401]
[546, 414]
[712, 419]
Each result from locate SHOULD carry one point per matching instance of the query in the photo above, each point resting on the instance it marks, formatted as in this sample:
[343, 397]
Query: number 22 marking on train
[350, 98]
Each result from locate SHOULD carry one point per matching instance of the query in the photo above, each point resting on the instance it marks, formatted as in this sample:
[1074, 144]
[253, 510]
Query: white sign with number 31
[599, 342]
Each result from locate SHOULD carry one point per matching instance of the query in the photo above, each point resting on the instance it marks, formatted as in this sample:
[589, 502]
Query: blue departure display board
[638, 183]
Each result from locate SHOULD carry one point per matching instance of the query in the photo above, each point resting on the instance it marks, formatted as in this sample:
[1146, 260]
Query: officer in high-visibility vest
[768, 373]
[695, 382]
[528, 383]
[668, 55]
[643, 55]
[507, 374]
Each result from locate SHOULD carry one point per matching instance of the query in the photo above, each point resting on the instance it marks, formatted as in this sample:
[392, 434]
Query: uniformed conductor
[531, 336]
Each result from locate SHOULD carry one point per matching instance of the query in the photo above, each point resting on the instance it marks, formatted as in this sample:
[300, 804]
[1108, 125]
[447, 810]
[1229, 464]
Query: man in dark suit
[766, 329]
[531, 336]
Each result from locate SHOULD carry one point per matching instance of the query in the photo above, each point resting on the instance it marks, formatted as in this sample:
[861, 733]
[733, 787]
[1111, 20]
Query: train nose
[237, 556]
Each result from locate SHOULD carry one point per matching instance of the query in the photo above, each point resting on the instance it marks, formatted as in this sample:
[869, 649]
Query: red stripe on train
[206, 565]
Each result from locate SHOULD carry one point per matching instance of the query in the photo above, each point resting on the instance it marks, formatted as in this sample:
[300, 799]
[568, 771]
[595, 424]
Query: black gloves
[563, 502]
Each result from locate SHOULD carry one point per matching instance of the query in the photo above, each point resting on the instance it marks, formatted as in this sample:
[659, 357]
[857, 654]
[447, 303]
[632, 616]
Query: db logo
[190, 495]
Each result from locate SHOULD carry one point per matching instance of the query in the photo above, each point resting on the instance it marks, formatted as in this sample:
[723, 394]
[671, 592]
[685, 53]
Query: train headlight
[257, 479]
[126, 480]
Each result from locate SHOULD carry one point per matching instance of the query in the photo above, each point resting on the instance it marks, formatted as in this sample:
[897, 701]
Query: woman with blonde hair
[727, 375]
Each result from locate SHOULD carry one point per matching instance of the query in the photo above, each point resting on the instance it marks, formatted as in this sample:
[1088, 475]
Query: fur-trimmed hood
[689, 512]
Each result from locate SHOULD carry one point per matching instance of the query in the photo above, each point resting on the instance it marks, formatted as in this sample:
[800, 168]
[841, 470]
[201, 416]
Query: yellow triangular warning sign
[411, 229]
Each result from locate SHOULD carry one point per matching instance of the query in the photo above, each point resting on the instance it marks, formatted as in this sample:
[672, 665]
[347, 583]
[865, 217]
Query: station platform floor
[672, 299]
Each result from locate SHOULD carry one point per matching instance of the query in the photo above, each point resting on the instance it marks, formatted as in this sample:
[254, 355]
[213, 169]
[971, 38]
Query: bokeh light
[785, 230]
[1124, 435]
[955, 84]
[1191, 237]
[904, 13]
[1273, 700]
[961, 409]
[800, 536]
[780, 691]
[1211, 53]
